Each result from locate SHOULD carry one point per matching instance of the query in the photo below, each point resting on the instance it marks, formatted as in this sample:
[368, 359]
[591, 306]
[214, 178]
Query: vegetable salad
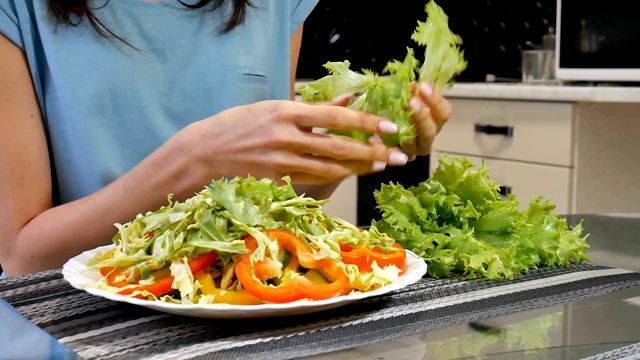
[245, 241]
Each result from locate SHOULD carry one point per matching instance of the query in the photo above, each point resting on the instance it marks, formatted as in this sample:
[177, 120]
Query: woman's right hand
[274, 138]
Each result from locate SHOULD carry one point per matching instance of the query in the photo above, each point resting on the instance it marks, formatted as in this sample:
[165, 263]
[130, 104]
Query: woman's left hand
[432, 111]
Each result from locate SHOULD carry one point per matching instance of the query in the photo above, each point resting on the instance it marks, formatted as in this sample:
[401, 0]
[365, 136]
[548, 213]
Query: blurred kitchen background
[369, 33]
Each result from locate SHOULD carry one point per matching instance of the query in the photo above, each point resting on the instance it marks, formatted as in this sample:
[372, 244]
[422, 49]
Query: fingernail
[426, 89]
[415, 104]
[398, 158]
[387, 127]
[378, 166]
[375, 139]
[341, 97]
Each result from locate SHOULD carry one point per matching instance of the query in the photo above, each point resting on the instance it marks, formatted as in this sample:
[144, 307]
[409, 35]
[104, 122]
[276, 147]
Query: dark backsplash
[370, 33]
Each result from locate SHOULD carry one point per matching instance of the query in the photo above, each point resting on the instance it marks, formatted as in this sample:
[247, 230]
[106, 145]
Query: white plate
[76, 273]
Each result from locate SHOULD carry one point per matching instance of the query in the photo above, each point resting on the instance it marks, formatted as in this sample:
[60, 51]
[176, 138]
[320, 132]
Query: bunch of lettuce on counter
[458, 223]
[388, 95]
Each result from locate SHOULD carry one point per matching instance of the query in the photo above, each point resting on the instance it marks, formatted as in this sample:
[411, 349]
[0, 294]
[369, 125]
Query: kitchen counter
[521, 91]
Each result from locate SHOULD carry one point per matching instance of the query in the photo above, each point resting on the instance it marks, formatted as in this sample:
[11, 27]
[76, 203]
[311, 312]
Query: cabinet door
[344, 201]
[527, 180]
[531, 131]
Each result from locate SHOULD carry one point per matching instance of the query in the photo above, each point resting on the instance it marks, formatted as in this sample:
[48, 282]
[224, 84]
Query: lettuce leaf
[444, 60]
[388, 95]
[457, 221]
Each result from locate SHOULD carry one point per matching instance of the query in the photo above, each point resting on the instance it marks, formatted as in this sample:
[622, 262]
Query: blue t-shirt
[107, 105]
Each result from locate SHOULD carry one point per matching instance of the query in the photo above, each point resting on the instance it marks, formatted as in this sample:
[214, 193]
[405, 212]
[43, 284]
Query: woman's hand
[432, 111]
[275, 138]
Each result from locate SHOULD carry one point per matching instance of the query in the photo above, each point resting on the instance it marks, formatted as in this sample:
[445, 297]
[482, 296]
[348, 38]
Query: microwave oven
[598, 40]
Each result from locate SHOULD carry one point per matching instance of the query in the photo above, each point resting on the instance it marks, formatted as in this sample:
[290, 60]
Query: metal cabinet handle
[504, 190]
[494, 130]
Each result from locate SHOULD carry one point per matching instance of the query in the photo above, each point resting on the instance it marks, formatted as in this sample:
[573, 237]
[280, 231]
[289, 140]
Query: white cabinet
[528, 145]
[526, 180]
[525, 131]
[344, 201]
[582, 155]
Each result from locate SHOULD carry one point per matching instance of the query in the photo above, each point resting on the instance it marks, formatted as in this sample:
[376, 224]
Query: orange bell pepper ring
[364, 257]
[268, 268]
[299, 287]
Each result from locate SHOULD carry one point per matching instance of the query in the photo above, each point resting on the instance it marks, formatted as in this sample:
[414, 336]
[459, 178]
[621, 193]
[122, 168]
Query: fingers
[311, 169]
[333, 146]
[341, 100]
[346, 149]
[426, 129]
[295, 149]
[339, 118]
[439, 106]
[431, 112]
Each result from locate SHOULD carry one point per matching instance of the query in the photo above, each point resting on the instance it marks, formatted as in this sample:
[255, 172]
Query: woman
[107, 107]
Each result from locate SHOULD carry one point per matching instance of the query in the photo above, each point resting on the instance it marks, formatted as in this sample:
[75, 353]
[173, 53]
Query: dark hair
[71, 12]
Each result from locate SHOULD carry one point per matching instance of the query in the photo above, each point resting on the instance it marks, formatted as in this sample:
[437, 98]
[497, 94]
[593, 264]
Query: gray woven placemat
[629, 352]
[97, 328]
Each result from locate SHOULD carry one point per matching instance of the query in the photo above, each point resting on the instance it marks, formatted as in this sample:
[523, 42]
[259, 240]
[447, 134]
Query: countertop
[539, 92]
[562, 93]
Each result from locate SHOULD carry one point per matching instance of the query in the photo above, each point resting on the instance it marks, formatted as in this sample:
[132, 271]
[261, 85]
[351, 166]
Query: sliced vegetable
[268, 268]
[363, 257]
[158, 288]
[316, 277]
[299, 287]
[202, 261]
[164, 280]
[239, 297]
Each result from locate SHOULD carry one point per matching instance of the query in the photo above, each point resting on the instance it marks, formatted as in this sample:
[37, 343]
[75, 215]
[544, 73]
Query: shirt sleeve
[9, 22]
[300, 10]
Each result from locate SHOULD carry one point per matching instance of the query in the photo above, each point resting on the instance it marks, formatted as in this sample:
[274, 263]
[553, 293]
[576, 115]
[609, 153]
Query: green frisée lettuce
[458, 222]
[388, 95]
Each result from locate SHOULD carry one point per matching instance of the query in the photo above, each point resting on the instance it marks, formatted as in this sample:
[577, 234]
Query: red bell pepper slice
[364, 257]
[300, 287]
[164, 279]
